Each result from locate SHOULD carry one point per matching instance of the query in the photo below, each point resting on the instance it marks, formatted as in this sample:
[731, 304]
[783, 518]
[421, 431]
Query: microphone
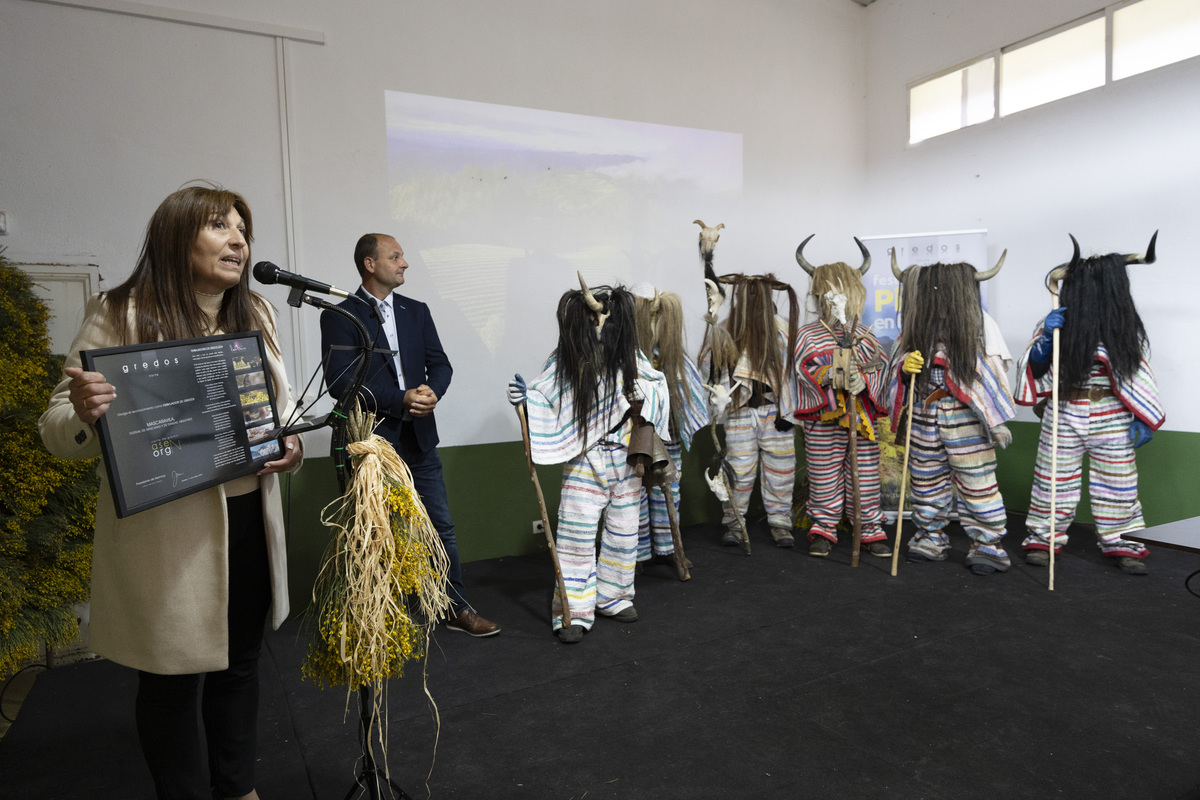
[268, 273]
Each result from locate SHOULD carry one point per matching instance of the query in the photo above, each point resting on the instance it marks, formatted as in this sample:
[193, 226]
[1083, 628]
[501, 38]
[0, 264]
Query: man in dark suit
[403, 390]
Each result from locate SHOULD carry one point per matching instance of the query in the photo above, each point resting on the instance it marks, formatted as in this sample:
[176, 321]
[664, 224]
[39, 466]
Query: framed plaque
[189, 414]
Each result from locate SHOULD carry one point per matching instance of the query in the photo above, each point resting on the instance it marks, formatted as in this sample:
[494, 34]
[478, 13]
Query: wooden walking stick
[562, 585]
[856, 494]
[844, 364]
[912, 389]
[1053, 432]
[680, 558]
[725, 482]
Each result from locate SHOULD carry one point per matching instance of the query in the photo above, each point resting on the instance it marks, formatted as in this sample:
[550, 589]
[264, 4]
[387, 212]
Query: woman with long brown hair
[180, 592]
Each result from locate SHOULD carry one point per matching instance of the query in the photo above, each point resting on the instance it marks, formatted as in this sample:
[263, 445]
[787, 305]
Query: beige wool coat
[159, 577]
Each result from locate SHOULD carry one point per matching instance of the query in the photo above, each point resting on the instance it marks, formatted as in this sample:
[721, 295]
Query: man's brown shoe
[472, 624]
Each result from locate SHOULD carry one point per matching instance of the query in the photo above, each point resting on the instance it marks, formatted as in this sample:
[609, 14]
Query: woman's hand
[292, 453]
[90, 394]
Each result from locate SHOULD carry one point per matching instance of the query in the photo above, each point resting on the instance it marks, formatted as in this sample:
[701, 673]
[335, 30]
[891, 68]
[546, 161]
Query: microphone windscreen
[265, 272]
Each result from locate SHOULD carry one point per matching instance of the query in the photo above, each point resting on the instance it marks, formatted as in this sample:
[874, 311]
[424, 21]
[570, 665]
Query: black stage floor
[770, 676]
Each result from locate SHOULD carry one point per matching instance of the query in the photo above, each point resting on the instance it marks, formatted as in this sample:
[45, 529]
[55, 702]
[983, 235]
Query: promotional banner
[189, 414]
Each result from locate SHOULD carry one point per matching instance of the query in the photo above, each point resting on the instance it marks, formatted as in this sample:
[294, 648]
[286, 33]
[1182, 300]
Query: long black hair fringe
[586, 363]
[1100, 309]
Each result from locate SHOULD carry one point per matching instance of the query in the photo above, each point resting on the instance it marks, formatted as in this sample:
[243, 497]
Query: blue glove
[1040, 352]
[1139, 433]
[516, 390]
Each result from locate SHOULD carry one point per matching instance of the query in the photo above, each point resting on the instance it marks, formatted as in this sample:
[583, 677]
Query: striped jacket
[555, 437]
[815, 346]
[1139, 394]
[744, 378]
[987, 395]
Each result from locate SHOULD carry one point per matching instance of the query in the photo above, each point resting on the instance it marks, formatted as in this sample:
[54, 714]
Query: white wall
[173, 102]
[762, 70]
[1110, 166]
[102, 115]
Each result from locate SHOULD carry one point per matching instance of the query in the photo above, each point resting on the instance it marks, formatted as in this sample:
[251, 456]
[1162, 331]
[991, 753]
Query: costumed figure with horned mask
[751, 355]
[1108, 406]
[962, 402]
[594, 391]
[837, 357]
[659, 321]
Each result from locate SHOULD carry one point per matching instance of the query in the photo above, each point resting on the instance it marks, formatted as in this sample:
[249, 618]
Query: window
[960, 98]
[1144, 35]
[1058, 66]
[1154, 33]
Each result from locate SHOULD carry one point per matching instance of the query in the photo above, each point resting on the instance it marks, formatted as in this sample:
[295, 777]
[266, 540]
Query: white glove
[855, 383]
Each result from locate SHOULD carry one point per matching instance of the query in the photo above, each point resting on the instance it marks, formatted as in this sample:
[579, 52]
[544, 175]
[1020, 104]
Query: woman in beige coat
[180, 592]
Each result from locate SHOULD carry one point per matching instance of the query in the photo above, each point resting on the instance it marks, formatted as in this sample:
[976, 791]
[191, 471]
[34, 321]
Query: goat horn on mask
[595, 305]
[980, 277]
[1058, 273]
[809, 268]
[801, 260]
[866, 254]
[1149, 256]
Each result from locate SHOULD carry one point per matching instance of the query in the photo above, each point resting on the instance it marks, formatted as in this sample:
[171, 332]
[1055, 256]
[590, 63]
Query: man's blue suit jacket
[421, 355]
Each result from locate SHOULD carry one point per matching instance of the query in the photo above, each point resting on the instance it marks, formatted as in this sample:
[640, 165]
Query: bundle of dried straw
[382, 584]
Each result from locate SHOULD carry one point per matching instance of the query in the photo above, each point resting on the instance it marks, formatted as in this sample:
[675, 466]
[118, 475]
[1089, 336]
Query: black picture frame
[189, 414]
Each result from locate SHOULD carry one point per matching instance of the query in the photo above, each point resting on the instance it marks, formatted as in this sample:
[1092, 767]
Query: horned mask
[1059, 273]
[837, 287]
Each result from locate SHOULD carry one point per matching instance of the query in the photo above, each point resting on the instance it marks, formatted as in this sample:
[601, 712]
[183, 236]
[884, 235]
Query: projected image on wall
[502, 205]
[497, 207]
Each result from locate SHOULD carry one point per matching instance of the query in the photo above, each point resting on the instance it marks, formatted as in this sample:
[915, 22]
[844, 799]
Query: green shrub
[47, 505]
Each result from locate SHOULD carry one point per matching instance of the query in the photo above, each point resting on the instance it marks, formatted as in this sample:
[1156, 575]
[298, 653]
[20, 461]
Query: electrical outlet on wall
[538, 528]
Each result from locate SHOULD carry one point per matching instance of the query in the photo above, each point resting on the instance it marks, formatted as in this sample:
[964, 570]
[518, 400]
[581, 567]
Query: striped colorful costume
[952, 450]
[598, 483]
[751, 437]
[1092, 420]
[654, 525]
[822, 413]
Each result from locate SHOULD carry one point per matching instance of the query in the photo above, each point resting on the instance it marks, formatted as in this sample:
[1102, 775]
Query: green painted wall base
[494, 504]
[1168, 474]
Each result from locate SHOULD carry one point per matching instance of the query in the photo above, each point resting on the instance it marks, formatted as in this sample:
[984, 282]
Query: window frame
[1107, 13]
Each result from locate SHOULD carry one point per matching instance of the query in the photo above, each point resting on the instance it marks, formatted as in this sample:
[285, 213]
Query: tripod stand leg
[373, 780]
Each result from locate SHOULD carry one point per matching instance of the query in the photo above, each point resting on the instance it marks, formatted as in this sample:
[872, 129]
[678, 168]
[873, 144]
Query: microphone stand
[371, 777]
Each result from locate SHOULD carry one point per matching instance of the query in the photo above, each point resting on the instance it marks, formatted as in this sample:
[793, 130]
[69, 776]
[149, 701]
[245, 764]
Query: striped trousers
[654, 524]
[830, 489]
[1101, 430]
[951, 451]
[598, 484]
[751, 439]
